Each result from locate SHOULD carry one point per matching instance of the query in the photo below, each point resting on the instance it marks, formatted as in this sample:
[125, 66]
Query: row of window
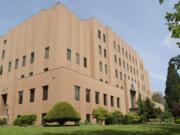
[126, 65]
[134, 60]
[97, 97]
[32, 94]
[24, 59]
[101, 51]
[77, 58]
[100, 35]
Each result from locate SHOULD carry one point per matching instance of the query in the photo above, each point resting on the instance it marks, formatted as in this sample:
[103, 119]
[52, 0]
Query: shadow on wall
[159, 130]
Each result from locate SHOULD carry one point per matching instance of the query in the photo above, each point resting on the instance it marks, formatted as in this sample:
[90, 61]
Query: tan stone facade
[54, 56]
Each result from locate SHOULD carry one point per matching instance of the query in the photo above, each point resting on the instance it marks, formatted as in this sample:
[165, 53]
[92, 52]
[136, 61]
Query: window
[88, 118]
[77, 58]
[100, 66]
[1, 70]
[42, 118]
[100, 50]
[120, 75]
[123, 51]
[45, 92]
[22, 76]
[131, 69]
[24, 61]
[97, 97]
[46, 69]
[126, 54]
[119, 61]
[9, 66]
[105, 99]
[68, 54]
[106, 70]
[46, 55]
[104, 38]
[105, 54]
[20, 97]
[118, 102]
[115, 59]
[32, 57]
[112, 101]
[16, 63]
[119, 48]
[77, 93]
[99, 34]
[31, 73]
[127, 66]
[5, 41]
[32, 95]
[85, 62]
[116, 73]
[3, 54]
[129, 56]
[88, 95]
[124, 64]
[114, 44]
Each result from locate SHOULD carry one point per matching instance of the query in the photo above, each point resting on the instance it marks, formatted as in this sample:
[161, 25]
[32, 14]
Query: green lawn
[94, 130]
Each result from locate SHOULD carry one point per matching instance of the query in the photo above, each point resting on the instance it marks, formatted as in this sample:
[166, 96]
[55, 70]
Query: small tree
[117, 117]
[61, 113]
[100, 114]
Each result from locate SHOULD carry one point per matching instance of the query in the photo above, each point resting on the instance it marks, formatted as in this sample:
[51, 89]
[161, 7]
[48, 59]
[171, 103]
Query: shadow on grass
[155, 130]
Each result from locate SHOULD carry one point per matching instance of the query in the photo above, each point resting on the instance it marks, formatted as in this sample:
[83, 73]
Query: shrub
[3, 120]
[131, 118]
[61, 113]
[177, 121]
[25, 120]
[100, 114]
[115, 117]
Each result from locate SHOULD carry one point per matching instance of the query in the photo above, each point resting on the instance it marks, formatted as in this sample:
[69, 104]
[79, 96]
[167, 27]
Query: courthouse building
[55, 56]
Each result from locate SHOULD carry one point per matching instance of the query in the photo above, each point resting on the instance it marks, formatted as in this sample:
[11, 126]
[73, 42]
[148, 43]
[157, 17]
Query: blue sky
[140, 23]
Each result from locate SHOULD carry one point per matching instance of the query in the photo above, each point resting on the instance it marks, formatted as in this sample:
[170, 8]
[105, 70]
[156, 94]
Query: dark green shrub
[177, 121]
[3, 120]
[62, 112]
[25, 120]
[131, 118]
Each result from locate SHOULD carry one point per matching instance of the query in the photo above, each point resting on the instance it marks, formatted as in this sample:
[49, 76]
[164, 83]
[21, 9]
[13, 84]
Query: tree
[172, 90]
[100, 114]
[149, 109]
[61, 113]
[173, 21]
[158, 97]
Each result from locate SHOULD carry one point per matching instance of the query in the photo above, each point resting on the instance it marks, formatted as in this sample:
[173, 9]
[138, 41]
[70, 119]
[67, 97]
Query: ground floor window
[42, 118]
[88, 118]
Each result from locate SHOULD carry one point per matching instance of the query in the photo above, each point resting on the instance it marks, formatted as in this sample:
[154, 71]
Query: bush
[100, 114]
[131, 118]
[25, 120]
[61, 113]
[177, 121]
[3, 120]
[115, 117]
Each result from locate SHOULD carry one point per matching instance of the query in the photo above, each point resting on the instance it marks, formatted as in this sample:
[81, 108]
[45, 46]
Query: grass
[94, 130]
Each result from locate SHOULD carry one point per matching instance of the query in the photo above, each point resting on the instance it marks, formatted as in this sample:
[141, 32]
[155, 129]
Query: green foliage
[62, 112]
[116, 117]
[177, 121]
[131, 118]
[173, 21]
[100, 114]
[3, 120]
[172, 90]
[25, 120]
